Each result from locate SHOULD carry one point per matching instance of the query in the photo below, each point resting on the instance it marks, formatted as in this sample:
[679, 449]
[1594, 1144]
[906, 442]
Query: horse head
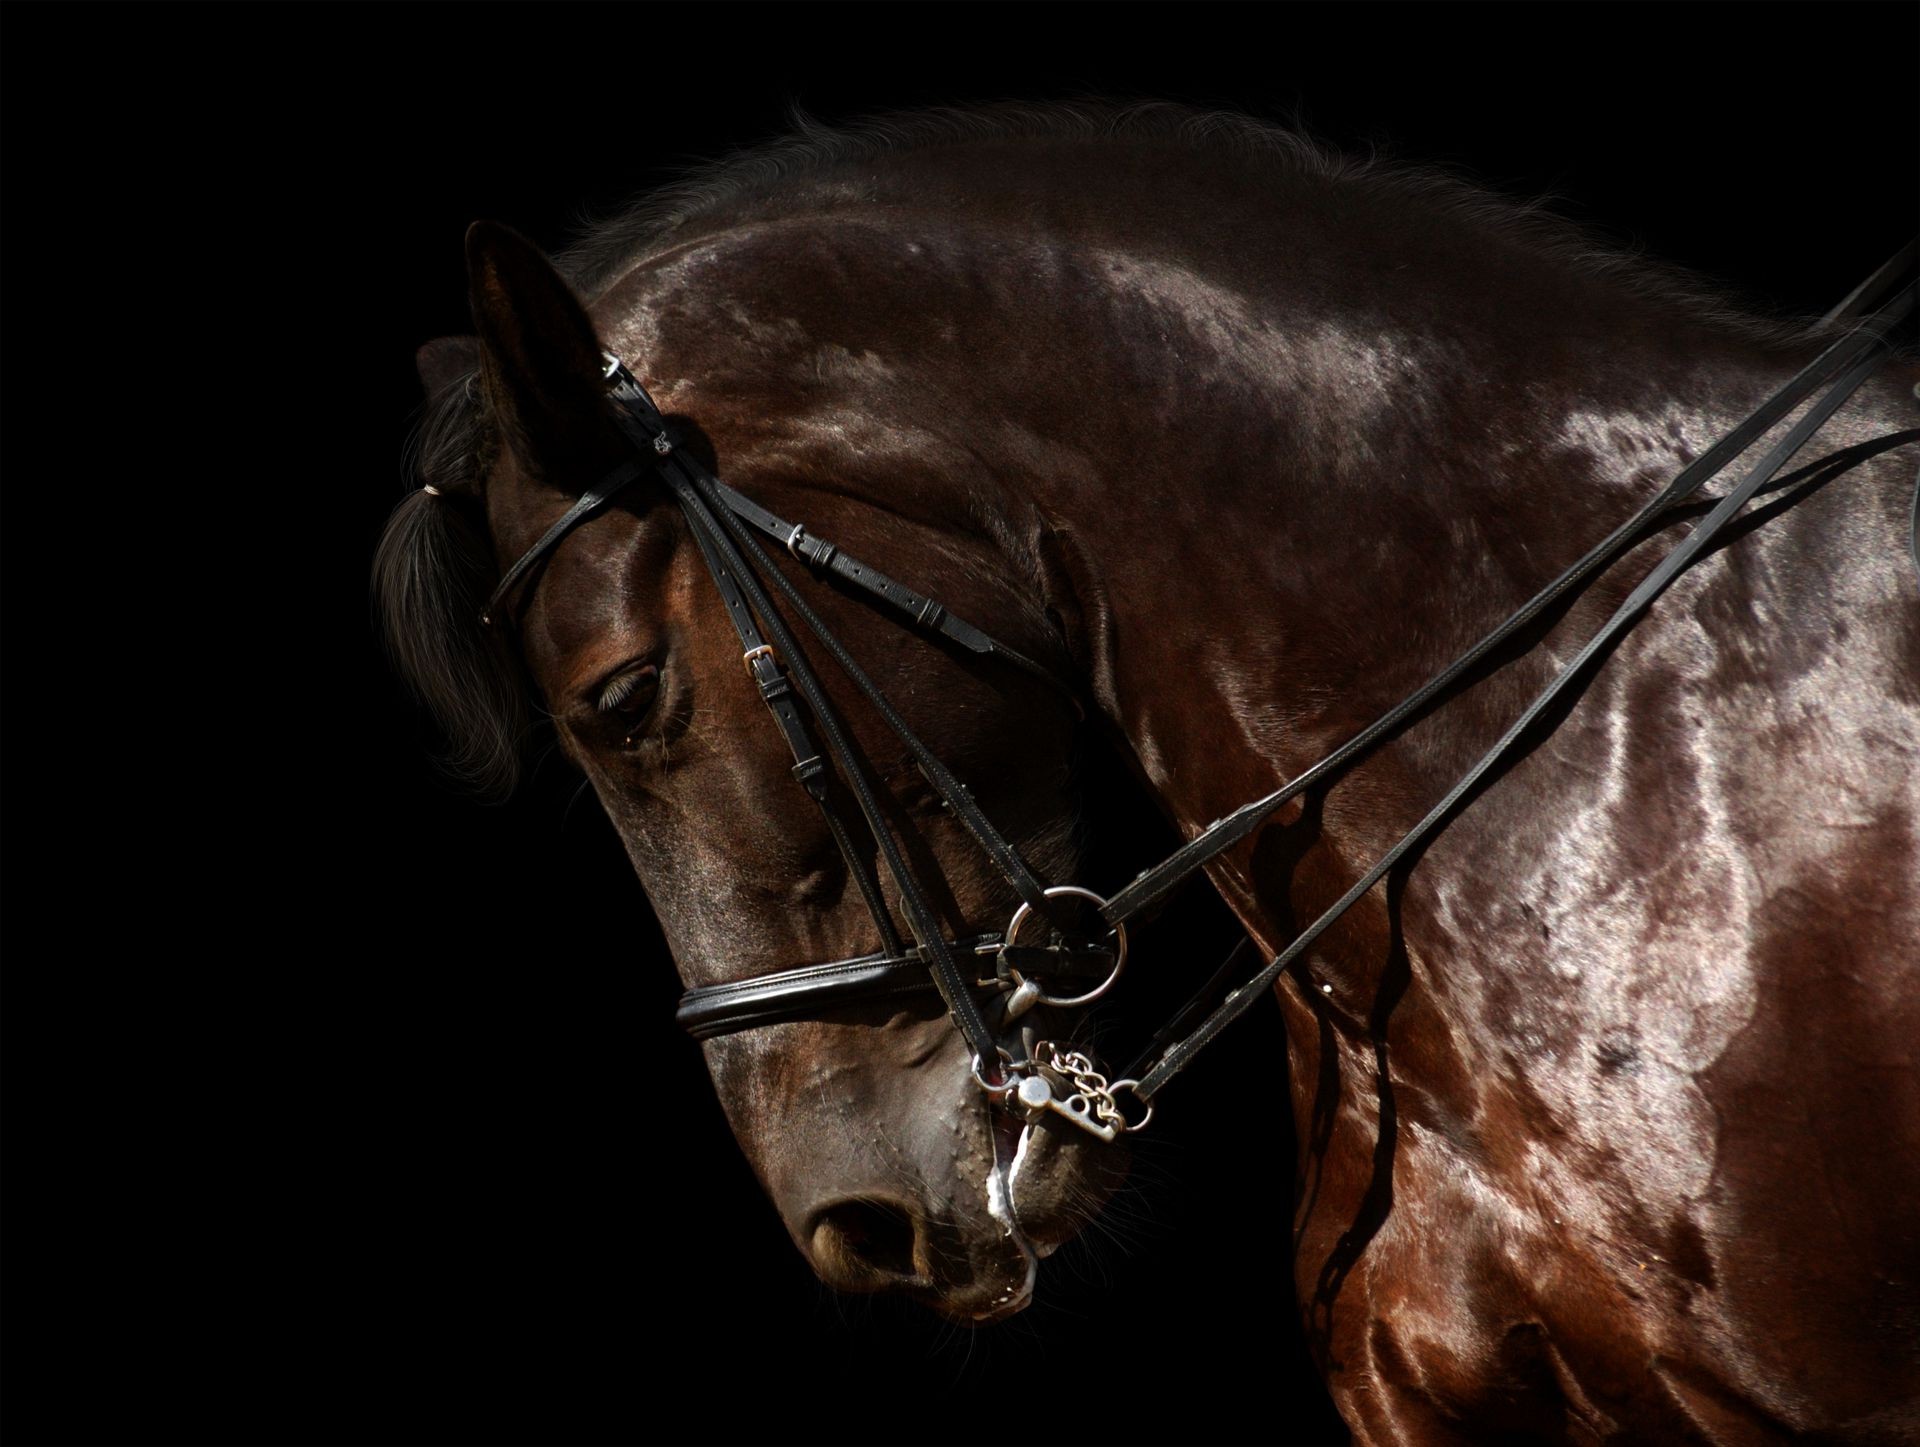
[865, 1120]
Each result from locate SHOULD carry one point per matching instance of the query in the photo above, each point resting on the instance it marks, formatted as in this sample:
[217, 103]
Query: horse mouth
[1016, 1301]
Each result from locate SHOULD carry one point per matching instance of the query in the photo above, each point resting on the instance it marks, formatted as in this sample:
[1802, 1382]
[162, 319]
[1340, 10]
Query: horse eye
[629, 698]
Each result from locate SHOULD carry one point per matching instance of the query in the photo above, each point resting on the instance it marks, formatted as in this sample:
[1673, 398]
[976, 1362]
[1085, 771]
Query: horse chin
[967, 1313]
[1047, 1183]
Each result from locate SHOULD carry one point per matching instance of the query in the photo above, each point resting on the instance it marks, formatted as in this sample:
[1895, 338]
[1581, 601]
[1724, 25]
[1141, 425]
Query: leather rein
[1037, 1077]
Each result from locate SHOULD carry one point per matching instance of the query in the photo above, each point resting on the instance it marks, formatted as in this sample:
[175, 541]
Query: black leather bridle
[729, 529]
[724, 524]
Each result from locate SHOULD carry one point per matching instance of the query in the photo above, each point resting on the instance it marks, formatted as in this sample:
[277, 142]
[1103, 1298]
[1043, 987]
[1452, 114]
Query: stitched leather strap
[921, 918]
[809, 764]
[711, 1010]
[925, 612]
[689, 480]
[951, 791]
[811, 990]
[713, 513]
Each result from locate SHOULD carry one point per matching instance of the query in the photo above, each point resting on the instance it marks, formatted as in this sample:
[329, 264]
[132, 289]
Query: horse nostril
[866, 1244]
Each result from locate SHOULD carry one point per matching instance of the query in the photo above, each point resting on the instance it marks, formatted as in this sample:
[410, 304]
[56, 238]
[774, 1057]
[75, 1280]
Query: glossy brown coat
[1607, 1103]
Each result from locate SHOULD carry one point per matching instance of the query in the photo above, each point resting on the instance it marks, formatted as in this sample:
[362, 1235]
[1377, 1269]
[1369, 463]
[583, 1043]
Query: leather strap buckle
[759, 651]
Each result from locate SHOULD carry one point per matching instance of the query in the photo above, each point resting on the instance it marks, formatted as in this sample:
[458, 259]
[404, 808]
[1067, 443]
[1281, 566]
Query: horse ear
[539, 356]
[446, 361]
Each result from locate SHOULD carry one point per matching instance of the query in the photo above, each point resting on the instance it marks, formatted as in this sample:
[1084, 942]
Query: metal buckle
[763, 650]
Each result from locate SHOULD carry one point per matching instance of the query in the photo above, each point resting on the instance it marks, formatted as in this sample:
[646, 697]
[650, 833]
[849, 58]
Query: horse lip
[1017, 1302]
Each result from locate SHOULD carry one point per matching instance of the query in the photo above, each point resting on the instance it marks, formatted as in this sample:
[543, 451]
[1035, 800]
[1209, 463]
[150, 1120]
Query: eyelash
[624, 688]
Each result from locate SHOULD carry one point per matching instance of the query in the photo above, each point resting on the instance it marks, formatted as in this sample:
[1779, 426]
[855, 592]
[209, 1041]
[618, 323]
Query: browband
[816, 552]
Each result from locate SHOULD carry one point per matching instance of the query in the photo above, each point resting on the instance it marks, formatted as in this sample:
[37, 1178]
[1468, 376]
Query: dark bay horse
[1607, 1100]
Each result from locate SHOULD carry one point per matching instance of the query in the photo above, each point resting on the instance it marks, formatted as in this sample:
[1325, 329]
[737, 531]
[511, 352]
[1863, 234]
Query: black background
[340, 1108]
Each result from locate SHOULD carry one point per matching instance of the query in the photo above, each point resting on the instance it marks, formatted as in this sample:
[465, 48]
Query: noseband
[1040, 958]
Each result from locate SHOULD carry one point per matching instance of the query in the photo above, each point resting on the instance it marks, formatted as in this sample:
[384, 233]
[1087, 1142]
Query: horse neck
[1284, 466]
[1332, 490]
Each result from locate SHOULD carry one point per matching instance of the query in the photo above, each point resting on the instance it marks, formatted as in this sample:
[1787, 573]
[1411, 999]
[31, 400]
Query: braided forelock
[431, 576]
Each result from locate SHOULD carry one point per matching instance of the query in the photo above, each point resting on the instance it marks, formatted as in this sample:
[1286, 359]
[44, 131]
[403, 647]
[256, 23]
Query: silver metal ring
[1134, 1086]
[1120, 949]
[1006, 1087]
[793, 541]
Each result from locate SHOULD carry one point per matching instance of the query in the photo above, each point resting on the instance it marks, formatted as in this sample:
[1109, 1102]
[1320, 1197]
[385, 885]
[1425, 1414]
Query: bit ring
[1119, 958]
[1007, 1086]
[1113, 1092]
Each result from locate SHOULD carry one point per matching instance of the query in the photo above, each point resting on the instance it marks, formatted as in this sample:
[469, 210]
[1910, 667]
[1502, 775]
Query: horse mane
[716, 192]
[435, 562]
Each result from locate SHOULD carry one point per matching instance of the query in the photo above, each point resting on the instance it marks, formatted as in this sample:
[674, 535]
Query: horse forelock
[431, 577]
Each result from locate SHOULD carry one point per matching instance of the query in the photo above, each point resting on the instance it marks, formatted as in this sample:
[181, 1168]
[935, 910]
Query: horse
[1606, 1101]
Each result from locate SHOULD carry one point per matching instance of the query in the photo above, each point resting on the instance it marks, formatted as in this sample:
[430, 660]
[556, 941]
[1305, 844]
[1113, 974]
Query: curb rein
[1047, 1077]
